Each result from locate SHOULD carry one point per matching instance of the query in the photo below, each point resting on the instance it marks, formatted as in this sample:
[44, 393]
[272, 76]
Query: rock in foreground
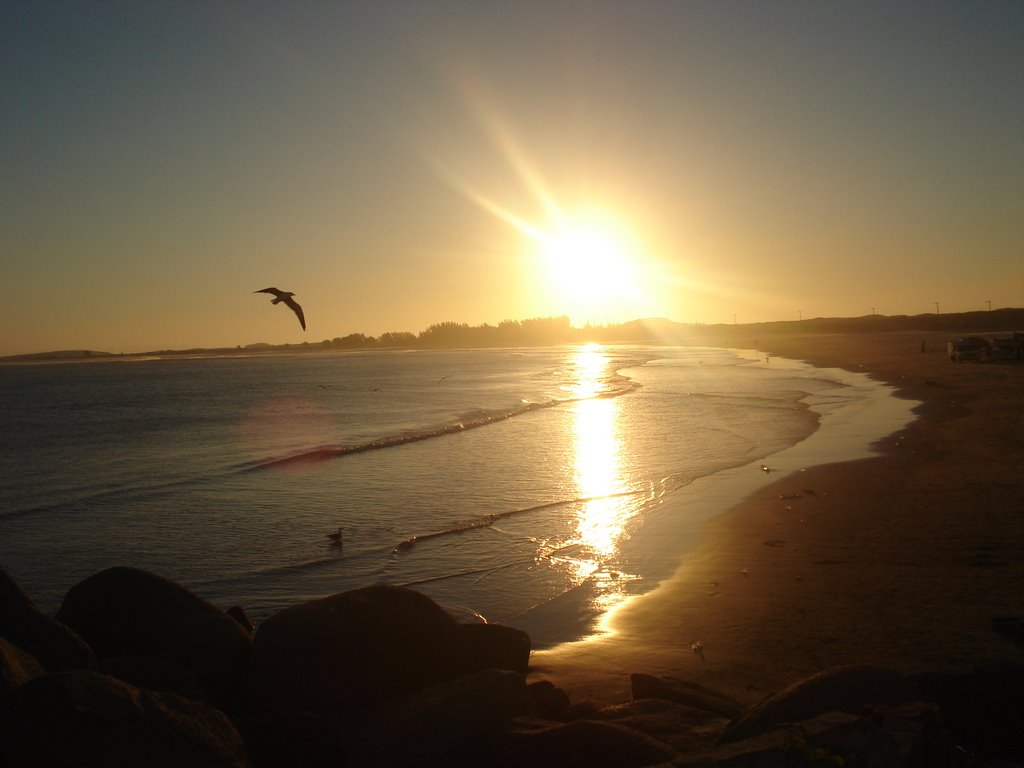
[88, 718]
[126, 612]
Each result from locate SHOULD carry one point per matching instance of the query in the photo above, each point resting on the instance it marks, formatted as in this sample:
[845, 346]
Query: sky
[400, 164]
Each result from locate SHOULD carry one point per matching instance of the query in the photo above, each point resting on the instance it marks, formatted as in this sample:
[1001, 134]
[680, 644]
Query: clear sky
[398, 164]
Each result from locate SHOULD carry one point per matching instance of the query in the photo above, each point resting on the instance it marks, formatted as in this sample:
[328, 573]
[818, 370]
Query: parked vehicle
[967, 349]
[985, 348]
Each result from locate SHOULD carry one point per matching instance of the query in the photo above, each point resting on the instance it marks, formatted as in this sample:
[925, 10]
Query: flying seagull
[286, 297]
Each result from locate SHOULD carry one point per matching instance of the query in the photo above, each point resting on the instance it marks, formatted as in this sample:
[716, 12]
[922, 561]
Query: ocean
[499, 482]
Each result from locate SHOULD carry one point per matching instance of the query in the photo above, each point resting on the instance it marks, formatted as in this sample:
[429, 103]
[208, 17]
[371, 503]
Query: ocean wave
[85, 497]
[276, 570]
[469, 420]
[479, 572]
[485, 521]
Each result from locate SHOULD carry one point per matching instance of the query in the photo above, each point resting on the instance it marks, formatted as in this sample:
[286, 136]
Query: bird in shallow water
[286, 297]
[337, 539]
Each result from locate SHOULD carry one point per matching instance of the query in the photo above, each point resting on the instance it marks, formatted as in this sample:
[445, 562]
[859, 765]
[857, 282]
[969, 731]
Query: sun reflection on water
[606, 503]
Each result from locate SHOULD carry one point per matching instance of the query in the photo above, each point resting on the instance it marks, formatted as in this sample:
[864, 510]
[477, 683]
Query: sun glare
[588, 264]
[591, 269]
[584, 258]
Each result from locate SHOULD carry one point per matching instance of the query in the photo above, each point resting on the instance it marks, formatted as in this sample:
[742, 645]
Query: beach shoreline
[901, 560]
[852, 412]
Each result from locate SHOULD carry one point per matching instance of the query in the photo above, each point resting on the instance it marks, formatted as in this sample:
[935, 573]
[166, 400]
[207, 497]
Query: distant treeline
[547, 331]
[541, 331]
[553, 331]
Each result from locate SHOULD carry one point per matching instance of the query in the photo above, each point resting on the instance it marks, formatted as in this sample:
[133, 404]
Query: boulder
[834, 739]
[680, 726]
[16, 667]
[53, 644]
[216, 649]
[81, 718]
[351, 651]
[238, 613]
[458, 722]
[154, 675]
[582, 743]
[130, 612]
[840, 689]
[552, 702]
[774, 749]
[983, 709]
[919, 733]
[494, 646]
[854, 740]
[682, 692]
[290, 739]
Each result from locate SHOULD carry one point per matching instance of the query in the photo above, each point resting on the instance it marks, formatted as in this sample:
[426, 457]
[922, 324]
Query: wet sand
[901, 560]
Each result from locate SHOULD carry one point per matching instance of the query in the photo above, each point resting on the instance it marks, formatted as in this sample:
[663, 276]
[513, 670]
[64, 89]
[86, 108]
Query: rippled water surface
[492, 480]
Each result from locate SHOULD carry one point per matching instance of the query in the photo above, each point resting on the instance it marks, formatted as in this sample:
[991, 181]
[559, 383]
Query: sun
[587, 263]
[591, 268]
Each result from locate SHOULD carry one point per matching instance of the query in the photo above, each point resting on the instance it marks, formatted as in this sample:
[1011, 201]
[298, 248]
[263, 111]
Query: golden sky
[398, 164]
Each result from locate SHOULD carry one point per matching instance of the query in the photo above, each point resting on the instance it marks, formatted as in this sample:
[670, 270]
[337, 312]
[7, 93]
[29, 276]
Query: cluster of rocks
[137, 670]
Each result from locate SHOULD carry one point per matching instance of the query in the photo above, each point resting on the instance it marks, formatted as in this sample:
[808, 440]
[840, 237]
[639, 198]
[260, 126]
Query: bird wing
[270, 290]
[297, 310]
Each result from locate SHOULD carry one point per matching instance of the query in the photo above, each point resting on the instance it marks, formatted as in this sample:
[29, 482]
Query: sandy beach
[902, 560]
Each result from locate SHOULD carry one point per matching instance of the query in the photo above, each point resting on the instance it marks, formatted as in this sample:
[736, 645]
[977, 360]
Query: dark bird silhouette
[337, 539]
[286, 297]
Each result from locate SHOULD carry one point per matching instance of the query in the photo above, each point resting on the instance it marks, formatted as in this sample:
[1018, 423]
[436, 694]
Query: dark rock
[289, 739]
[458, 722]
[682, 727]
[129, 612]
[154, 675]
[682, 692]
[494, 646]
[841, 689]
[238, 613]
[582, 743]
[16, 667]
[918, 732]
[352, 650]
[834, 739]
[768, 750]
[216, 649]
[983, 709]
[581, 710]
[82, 718]
[854, 740]
[551, 702]
[54, 645]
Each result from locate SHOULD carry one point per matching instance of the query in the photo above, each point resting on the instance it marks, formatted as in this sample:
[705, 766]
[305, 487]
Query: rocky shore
[136, 670]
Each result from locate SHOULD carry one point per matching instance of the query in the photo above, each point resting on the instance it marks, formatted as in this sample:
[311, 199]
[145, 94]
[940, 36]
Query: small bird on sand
[286, 297]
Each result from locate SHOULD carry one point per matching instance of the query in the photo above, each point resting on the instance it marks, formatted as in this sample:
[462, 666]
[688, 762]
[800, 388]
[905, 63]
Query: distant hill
[995, 321]
[63, 354]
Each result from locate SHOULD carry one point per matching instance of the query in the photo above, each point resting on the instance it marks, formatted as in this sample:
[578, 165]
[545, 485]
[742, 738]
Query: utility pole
[936, 307]
[799, 314]
[989, 305]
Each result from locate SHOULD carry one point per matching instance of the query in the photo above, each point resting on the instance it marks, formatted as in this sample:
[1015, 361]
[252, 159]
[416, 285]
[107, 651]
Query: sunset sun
[587, 263]
[591, 267]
